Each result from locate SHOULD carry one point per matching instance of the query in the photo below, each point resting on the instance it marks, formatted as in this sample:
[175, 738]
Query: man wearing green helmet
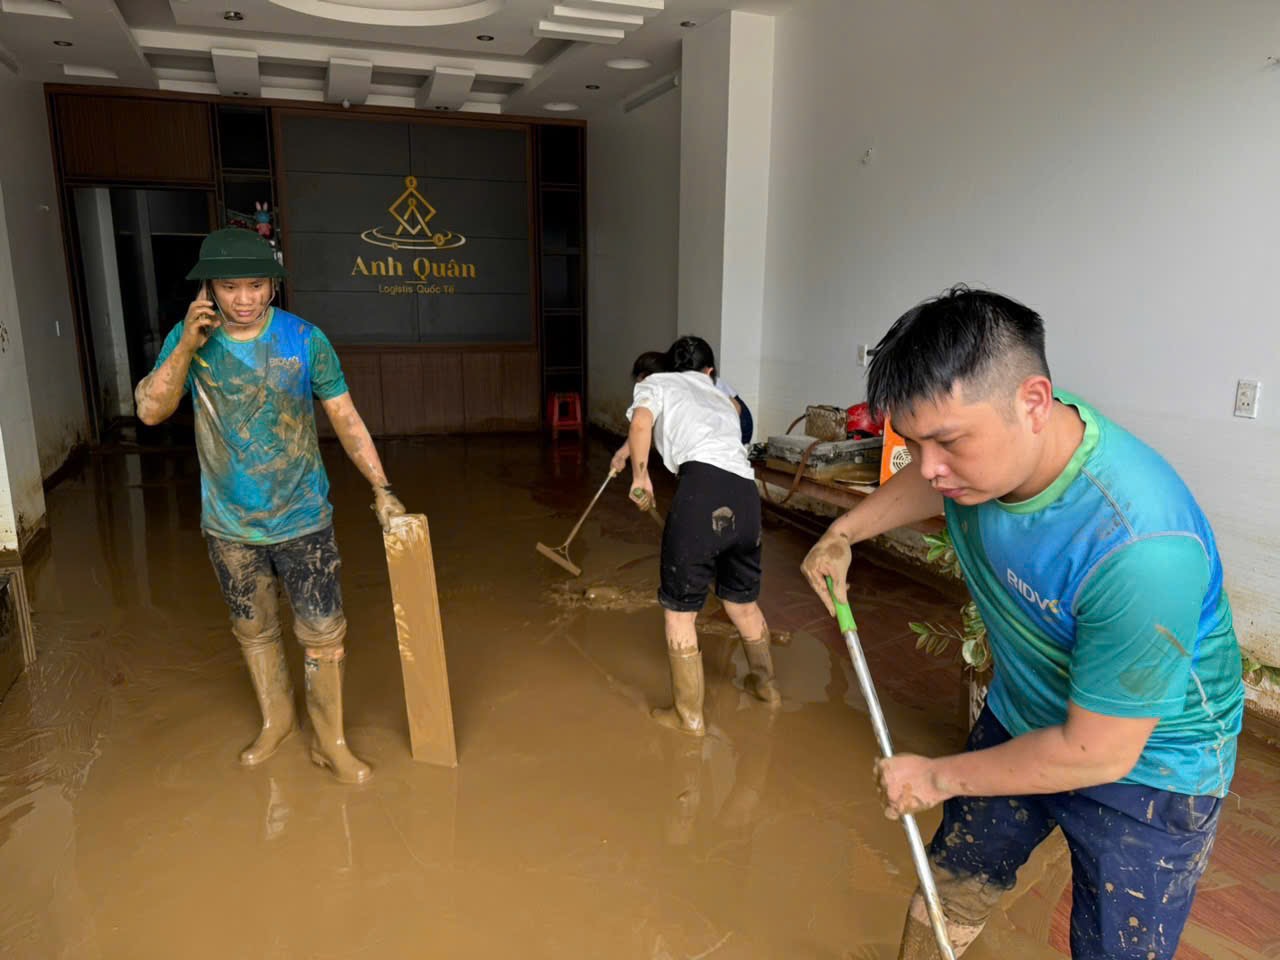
[253, 370]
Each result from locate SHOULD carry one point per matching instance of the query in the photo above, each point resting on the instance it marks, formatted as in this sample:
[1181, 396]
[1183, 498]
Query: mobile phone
[204, 293]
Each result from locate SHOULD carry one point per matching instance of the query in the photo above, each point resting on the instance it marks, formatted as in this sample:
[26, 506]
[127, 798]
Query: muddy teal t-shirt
[261, 477]
[1106, 590]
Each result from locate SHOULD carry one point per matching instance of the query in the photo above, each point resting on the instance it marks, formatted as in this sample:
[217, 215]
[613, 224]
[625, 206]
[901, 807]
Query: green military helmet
[233, 253]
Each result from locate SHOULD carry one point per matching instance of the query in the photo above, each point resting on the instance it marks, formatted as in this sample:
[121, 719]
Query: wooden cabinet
[125, 139]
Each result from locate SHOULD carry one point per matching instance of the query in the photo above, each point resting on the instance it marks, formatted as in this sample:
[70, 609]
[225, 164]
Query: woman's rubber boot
[324, 705]
[269, 672]
[760, 683]
[688, 685]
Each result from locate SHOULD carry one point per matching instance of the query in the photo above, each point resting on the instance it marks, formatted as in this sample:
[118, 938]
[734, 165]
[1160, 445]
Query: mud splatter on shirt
[261, 476]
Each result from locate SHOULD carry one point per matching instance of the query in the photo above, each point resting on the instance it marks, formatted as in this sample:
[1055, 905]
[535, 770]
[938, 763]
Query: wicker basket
[823, 422]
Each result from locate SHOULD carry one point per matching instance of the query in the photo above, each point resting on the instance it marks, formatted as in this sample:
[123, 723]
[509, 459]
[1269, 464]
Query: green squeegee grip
[844, 616]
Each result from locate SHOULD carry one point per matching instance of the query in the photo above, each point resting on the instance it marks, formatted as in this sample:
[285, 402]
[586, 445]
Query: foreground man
[1117, 697]
[265, 495]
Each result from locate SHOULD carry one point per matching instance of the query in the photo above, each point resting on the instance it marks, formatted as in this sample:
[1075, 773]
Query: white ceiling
[406, 53]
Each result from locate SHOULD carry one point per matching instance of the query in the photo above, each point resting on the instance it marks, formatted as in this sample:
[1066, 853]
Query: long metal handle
[582, 519]
[924, 873]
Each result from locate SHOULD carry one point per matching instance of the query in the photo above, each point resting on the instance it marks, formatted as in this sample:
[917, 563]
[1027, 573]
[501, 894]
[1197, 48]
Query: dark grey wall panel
[341, 202]
[335, 145]
[474, 153]
[341, 176]
[472, 319]
[357, 317]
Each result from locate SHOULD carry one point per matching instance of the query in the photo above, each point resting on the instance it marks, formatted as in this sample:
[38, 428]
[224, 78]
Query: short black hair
[984, 341]
[690, 353]
[651, 361]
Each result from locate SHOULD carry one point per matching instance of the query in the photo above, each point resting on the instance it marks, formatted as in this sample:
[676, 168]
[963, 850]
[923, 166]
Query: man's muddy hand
[201, 320]
[386, 506]
[830, 557]
[908, 784]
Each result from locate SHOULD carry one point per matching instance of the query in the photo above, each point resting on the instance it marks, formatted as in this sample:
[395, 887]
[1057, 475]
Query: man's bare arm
[159, 392]
[356, 441]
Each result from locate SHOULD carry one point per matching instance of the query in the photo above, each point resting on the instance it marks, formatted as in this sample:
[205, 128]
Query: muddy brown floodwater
[573, 827]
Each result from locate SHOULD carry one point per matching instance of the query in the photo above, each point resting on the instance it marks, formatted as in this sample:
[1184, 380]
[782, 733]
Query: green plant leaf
[942, 539]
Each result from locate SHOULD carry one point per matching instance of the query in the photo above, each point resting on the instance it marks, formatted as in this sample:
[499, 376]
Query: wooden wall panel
[482, 392]
[442, 389]
[158, 140]
[364, 379]
[88, 139]
[118, 138]
[412, 393]
[404, 409]
[522, 390]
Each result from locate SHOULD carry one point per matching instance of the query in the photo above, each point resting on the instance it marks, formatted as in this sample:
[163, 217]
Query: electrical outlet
[1247, 398]
[865, 353]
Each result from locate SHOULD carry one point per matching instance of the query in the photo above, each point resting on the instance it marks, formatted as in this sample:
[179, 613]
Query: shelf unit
[561, 235]
[246, 174]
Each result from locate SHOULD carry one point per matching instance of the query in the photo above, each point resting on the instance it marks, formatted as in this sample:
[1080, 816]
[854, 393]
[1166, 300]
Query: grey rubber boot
[324, 706]
[760, 682]
[689, 687]
[269, 672]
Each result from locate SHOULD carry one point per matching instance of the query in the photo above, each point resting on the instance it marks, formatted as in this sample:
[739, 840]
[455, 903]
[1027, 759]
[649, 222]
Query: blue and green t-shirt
[261, 477]
[1106, 590]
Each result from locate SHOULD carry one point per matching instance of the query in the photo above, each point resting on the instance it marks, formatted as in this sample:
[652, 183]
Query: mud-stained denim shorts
[1137, 853]
[307, 567]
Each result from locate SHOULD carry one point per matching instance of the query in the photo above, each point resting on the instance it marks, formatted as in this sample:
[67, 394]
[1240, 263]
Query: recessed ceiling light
[235, 16]
[628, 63]
[593, 86]
[560, 106]
[688, 23]
[63, 43]
[484, 38]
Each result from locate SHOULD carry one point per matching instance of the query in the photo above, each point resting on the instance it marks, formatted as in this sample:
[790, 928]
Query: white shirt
[692, 421]
[727, 390]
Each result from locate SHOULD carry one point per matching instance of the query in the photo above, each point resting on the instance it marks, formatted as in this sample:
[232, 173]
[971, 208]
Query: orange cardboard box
[895, 455]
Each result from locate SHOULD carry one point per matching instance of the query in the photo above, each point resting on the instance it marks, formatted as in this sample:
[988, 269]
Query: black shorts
[712, 533]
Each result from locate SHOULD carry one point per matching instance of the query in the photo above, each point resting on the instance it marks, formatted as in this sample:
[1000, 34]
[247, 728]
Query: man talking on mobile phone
[253, 370]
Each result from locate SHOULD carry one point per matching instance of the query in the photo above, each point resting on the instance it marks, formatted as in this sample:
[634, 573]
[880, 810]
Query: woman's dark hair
[651, 361]
[690, 353]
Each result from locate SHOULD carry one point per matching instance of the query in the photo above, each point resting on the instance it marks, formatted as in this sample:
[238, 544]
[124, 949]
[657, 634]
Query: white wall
[105, 302]
[35, 246]
[633, 162]
[704, 137]
[1114, 166]
[21, 492]
[746, 206]
[726, 93]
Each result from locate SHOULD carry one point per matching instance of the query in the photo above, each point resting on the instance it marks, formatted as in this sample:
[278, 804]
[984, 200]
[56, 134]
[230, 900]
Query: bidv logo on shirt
[1031, 595]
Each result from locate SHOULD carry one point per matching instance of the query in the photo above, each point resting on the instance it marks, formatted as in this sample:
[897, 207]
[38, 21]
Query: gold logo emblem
[413, 215]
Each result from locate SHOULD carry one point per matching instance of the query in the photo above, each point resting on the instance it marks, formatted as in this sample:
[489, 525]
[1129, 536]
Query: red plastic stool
[564, 412]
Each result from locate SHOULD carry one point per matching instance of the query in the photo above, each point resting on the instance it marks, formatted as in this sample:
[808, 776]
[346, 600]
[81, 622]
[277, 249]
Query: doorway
[134, 248]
